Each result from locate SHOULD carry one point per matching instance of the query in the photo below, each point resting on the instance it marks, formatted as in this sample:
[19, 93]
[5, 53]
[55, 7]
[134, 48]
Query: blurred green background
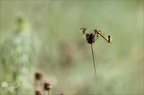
[64, 57]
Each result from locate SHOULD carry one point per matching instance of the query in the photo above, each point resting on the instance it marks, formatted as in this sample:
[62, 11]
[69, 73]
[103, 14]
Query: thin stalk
[93, 59]
[48, 93]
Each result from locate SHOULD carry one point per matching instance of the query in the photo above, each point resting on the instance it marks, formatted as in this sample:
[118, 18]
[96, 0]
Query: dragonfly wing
[84, 36]
[96, 36]
[83, 30]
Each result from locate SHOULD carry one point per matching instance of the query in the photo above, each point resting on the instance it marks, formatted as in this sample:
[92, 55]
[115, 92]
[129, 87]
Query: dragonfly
[91, 37]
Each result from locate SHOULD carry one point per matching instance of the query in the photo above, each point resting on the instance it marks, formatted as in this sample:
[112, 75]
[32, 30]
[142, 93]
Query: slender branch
[93, 59]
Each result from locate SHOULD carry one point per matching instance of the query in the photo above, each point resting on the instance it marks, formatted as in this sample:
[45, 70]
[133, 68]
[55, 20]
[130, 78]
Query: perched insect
[91, 37]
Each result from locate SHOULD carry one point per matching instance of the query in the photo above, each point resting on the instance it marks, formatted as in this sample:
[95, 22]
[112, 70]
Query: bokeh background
[64, 57]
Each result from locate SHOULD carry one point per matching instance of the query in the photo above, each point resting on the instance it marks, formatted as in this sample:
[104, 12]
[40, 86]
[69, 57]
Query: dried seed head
[61, 94]
[47, 86]
[90, 38]
[38, 92]
[38, 76]
[96, 31]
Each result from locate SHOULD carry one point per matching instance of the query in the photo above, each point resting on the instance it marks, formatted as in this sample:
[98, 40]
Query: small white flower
[4, 84]
[11, 89]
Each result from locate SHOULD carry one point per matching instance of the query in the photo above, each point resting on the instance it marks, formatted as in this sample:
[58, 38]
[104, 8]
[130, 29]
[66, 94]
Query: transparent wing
[83, 30]
[84, 36]
[86, 31]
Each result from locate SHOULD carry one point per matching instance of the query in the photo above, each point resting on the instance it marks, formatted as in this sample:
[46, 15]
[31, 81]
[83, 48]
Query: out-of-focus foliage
[17, 55]
[65, 57]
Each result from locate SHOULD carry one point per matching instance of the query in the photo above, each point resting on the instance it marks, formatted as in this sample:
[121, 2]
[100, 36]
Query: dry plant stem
[93, 59]
[48, 93]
